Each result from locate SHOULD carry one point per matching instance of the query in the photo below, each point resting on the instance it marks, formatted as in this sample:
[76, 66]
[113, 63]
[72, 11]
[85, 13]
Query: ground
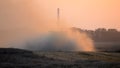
[17, 58]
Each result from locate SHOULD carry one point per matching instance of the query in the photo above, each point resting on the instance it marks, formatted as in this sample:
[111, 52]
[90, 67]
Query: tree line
[102, 34]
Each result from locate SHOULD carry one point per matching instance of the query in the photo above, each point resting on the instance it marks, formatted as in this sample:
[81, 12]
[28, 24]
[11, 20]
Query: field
[17, 58]
[75, 56]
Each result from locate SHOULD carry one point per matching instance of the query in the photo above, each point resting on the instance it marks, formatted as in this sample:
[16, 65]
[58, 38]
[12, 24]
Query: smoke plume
[25, 26]
[61, 41]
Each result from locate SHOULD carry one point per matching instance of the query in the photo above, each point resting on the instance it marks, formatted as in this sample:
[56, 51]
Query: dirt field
[16, 58]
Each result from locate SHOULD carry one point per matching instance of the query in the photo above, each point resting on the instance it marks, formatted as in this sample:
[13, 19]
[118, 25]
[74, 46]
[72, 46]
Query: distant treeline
[102, 34]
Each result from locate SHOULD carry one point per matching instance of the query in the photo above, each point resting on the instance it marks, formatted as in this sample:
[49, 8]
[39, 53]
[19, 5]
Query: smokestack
[58, 18]
[58, 14]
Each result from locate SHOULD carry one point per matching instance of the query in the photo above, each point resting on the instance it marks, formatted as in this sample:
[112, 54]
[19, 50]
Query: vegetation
[102, 34]
[16, 58]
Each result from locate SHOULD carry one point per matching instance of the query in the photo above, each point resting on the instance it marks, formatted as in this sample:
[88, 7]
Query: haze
[86, 14]
[23, 18]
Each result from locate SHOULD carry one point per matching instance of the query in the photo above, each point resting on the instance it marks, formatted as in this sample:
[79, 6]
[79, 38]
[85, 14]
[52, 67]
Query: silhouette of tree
[102, 34]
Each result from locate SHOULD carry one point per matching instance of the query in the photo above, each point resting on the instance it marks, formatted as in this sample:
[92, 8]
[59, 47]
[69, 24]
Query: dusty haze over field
[24, 18]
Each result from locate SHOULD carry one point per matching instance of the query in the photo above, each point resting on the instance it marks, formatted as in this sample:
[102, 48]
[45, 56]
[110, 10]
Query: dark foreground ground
[16, 58]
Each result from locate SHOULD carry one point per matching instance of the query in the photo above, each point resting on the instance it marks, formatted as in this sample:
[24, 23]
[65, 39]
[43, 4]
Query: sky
[86, 14]
[20, 18]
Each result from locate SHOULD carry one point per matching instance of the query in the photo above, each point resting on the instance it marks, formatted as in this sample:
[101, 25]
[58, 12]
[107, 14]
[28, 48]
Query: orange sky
[22, 18]
[87, 14]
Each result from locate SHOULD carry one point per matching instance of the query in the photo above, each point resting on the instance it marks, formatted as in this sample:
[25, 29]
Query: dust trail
[61, 38]
[28, 27]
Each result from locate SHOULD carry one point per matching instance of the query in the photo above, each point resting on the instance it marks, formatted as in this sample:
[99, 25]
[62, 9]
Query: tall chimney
[58, 14]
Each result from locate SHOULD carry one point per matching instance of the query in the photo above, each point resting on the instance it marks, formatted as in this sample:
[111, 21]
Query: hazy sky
[20, 18]
[87, 14]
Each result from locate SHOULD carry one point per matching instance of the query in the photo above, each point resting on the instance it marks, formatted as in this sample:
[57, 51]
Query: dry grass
[16, 58]
[73, 56]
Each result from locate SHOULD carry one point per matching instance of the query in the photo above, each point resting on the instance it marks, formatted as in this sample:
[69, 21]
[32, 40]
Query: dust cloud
[23, 25]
